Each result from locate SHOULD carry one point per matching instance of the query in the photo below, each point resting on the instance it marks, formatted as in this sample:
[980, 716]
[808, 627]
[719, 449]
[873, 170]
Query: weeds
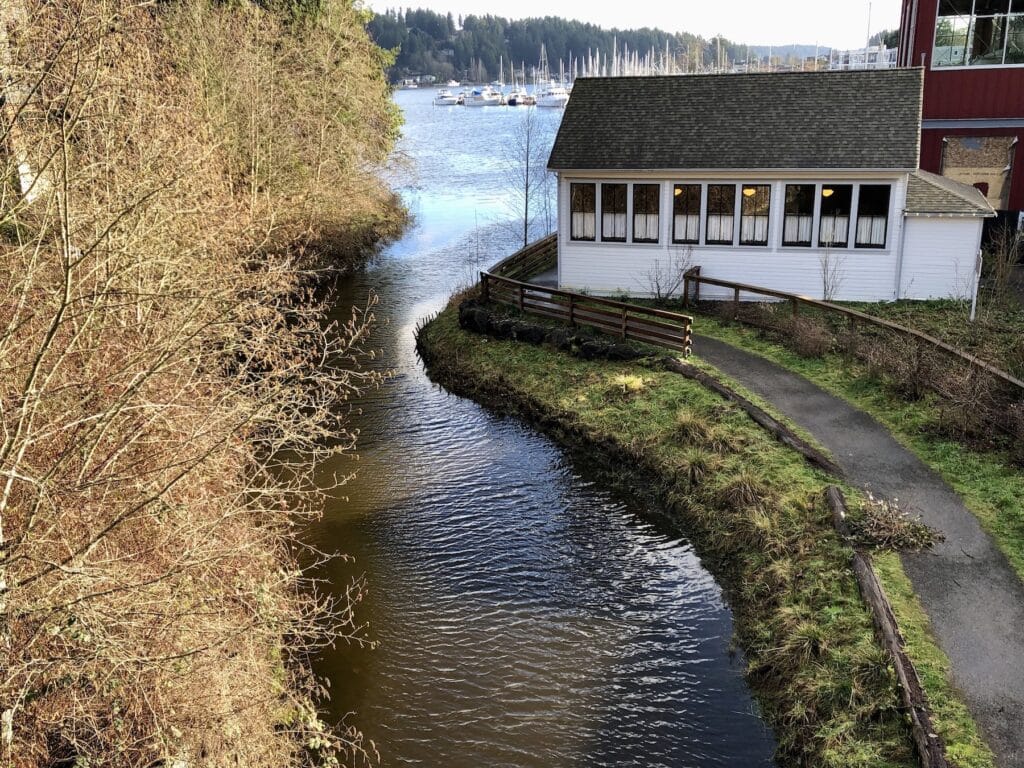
[167, 380]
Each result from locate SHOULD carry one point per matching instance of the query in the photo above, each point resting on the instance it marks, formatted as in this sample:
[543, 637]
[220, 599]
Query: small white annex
[800, 182]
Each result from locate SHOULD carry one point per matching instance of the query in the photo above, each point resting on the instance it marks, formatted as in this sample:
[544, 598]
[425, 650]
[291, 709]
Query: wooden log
[780, 431]
[931, 750]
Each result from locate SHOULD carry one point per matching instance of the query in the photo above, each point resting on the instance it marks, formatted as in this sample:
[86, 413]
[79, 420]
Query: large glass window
[721, 214]
[686, 213]
[583, 207]
[613, 213]
[872, 215]
[799, 221]
[979, 33]
[754, 206]
[834, 226]
[646, 210]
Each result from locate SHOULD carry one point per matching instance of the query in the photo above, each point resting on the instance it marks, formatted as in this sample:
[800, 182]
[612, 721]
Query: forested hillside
[169, 174]
[473, 47]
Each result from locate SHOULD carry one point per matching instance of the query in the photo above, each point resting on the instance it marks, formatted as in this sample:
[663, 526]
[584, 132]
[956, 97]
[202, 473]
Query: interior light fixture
[749, 191]
[827, 192]
[679, 191]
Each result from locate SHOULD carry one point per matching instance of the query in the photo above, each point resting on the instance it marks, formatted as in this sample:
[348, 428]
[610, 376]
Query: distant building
[872, 57]
[767, 179]
[972, 52]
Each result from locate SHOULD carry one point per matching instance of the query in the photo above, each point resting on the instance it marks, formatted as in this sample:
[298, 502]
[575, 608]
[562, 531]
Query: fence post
[520, 297]
[625, 314]
[796, 307]
[686, 292]
[736, 305]
[485, 287]
[572, 309]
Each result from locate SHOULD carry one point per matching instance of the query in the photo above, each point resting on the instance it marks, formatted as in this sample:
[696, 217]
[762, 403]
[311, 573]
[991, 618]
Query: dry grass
[166, 382]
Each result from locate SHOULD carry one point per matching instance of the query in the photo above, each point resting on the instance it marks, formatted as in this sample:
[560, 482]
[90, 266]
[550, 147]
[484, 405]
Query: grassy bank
[987, 480]
[755, 512]
[169, 172]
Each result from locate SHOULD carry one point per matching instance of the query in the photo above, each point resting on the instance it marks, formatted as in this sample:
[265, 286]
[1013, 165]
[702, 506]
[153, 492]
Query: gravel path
[973, 597]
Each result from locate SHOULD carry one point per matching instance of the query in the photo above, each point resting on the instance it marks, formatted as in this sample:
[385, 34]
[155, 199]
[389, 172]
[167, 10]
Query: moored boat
[553, 96]
[483, 97]
[445, 98]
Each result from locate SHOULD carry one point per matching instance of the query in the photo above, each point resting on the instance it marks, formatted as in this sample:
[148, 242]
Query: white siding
[864, 274]
[939, 257]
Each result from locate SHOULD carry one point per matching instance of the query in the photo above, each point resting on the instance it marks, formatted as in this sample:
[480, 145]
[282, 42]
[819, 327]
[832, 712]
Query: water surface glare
[526, 615]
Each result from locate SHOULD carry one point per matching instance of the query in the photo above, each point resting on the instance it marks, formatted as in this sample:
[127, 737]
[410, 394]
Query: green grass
[753, 509]
[963, 744]
[986, 480]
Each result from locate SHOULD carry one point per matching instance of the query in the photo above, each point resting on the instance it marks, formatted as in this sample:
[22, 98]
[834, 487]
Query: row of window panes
[755, 207]
[979, 33]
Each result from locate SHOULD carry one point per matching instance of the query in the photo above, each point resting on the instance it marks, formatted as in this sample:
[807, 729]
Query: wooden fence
[535, 258]
[693, 279]
[652, 326]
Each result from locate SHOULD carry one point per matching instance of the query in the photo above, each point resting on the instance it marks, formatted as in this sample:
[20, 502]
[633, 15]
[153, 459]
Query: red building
[972, 52]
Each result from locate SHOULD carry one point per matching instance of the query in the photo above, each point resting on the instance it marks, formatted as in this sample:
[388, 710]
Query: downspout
[899, 255]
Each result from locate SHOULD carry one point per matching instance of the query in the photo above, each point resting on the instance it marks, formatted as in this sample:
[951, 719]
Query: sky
[830, 23]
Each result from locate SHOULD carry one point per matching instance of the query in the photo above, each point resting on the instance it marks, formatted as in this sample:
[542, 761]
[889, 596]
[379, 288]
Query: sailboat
[552, 94]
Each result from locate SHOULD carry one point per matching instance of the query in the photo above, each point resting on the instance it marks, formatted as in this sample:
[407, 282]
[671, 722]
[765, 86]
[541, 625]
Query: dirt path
[971, 594]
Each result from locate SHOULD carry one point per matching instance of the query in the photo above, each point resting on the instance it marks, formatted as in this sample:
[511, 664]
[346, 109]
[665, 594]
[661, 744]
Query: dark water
[526, 615]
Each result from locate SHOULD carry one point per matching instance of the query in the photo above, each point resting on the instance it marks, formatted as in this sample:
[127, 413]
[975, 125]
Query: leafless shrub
[808, 338]
[166, 385]
[664, 280]
[830, 268]
[1004, 252]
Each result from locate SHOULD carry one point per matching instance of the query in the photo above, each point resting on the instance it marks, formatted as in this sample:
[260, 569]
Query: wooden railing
[629, 321]
[693, 279]
[527, 262]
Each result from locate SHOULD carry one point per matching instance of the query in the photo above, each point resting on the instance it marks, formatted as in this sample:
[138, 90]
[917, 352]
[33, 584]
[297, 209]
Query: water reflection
[526, 615]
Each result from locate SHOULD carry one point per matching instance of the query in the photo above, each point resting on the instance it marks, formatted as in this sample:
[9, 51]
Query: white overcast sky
[832, 23]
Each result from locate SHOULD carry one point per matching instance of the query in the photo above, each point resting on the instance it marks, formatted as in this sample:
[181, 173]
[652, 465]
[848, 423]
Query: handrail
[693, 275]
[647, 324]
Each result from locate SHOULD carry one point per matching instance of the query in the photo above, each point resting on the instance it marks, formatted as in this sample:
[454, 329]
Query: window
[645, 212]
[872, 215]
[583, 207]
[613, 213]
[799, 220]
[979, 33]
[686, 213]
[834, 227]
[721, 213]
[754, 205]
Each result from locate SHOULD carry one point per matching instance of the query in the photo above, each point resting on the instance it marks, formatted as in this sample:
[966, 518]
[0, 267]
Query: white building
[780, 180]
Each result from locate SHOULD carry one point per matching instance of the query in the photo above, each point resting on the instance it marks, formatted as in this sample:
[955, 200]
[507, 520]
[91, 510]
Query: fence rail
[629, 321]
[694, 279]
[535, 258]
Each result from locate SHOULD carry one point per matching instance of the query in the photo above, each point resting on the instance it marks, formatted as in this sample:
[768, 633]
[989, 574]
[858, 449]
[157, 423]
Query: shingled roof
[931, 195]
[781, 120]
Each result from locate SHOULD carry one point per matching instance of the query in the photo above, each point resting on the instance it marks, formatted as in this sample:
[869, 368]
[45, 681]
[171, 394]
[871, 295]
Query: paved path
[973, 597]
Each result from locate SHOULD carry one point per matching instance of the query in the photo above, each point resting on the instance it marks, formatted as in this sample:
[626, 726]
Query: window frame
[572, 213]
[885, 230]
[633, 211]
[700, 200]
[1012, 16]
[732, 213]
[767, 215]
[624, 213]
[849, 213]
[785, 215]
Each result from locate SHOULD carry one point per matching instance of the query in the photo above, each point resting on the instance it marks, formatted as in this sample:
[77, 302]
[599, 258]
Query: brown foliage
[166, 385]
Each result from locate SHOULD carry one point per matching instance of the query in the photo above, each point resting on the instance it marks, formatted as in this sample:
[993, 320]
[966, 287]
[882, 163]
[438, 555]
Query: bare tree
[527, 178]
[666, 277]
[831, 271]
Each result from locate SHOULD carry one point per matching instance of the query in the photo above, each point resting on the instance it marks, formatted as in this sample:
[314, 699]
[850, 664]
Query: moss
[754, 511]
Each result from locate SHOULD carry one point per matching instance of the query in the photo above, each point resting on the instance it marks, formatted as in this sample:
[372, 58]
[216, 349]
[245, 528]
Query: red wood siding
[962, 94]
[979, 92]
